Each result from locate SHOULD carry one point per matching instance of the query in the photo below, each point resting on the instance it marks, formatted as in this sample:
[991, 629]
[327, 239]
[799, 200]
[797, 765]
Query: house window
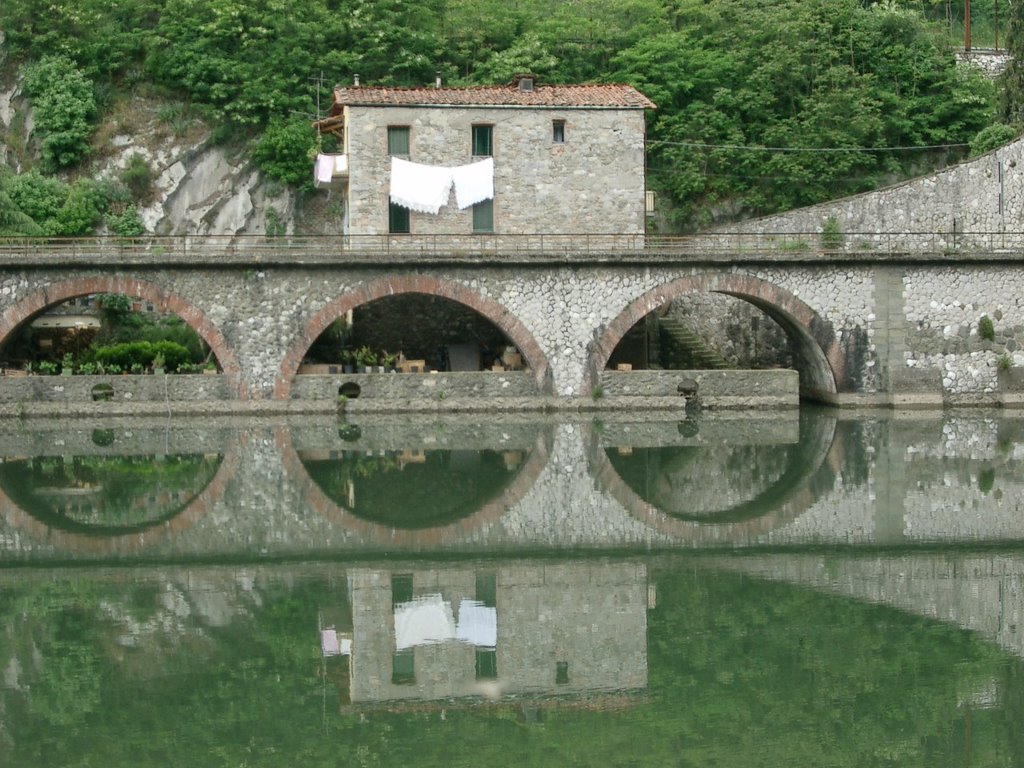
[403, 668]
[483, 136]
[558, 131]
[486, 664]
[398, 140]
[401, 588]
[483, 216]
[398, 219]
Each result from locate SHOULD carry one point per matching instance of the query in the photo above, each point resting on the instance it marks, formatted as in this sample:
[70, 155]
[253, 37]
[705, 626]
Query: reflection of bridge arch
[121, 544]
[508, 323]
[162, 300]
[821, 365]
[785, 501]
[374, 533]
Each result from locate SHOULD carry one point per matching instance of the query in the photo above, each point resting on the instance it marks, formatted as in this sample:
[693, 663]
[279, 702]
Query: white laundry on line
[324, 169]
[478, 624]
[474, 182]
[426, 188]
[426, 619]
[423, 188]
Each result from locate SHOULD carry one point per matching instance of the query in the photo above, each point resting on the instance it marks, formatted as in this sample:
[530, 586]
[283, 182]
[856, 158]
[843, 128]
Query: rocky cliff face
[200, 187]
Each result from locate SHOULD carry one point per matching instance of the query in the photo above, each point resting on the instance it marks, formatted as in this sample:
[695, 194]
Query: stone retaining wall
[125, 389]
[711, 389]
[427, 387]
[981, 195]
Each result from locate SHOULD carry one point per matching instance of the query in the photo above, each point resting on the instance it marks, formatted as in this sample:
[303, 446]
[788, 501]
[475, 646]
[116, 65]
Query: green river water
[817, 589]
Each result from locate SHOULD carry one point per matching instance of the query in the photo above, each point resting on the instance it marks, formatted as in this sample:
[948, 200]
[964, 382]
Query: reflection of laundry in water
[478, 624]
[332, 644]
[426, 619]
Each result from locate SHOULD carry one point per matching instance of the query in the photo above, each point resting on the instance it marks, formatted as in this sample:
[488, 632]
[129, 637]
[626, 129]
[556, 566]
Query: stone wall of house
[591, 183]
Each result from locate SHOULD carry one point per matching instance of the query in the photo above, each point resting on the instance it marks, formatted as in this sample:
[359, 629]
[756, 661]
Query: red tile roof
[621, 96]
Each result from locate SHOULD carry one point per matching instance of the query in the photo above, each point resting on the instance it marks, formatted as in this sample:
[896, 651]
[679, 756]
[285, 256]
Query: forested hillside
[736, 83]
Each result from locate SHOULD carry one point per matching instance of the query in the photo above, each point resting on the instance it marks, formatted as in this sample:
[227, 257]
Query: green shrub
[38, 197]
[137, 176]
[831, 235]
[992, 137]
[128, 223]
[83, 209]
[64, 105]
[114, 306]
[286, 150]
[986, 330]
[140, 354]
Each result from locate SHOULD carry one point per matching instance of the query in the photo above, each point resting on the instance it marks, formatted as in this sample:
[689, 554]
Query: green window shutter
[398, 140]
[483, 216]
[483, 145]
[398, 219]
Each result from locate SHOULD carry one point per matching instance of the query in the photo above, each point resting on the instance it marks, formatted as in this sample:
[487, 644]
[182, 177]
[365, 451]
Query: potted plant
[347, 364]
[389, 361]
[67, 364]
[158, 363]
[365, 358]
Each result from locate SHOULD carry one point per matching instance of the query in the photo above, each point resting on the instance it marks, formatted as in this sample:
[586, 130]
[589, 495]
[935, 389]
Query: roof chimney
[437, 79]
[355, 80]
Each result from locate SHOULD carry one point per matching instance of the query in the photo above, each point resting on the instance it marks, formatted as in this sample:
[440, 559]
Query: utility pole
[996, 22]
[967, 26]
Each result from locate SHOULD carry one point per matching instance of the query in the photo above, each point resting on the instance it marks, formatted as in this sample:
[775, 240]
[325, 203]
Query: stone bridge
[869, 318]
[782, 482]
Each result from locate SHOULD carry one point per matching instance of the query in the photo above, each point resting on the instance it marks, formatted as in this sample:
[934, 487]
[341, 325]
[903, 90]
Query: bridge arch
[372, 533]
[813, 465]
[507, 322]
[820, 361]
[163, 300]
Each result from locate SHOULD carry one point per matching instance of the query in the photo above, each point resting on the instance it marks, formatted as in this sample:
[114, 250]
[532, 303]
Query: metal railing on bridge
[582, 247]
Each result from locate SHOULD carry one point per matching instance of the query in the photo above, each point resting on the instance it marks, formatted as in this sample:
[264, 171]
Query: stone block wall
[426, 387]
[978, 196]
[591, 183]
[713, 389]
[125, 389]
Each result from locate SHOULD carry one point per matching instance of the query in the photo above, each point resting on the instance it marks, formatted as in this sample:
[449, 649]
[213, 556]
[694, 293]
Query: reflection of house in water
[535, 630]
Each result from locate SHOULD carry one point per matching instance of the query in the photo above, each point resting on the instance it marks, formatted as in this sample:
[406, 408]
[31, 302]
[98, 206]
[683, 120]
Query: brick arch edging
[122, 544]
[163, 300]
[507, 322]
[816, 337]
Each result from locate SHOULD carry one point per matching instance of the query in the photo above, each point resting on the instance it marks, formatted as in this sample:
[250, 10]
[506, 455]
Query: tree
[64, 105]
[1012, 79]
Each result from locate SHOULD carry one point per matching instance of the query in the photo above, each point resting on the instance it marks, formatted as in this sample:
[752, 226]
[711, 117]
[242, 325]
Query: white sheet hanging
[478, 624]
[423, 188]
[426, 619]
[324, 169]
[474, 182]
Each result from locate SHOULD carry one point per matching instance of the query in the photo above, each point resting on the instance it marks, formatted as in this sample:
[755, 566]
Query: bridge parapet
[859, 247]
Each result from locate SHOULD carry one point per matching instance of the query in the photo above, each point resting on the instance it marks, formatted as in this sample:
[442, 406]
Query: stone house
[519, 159]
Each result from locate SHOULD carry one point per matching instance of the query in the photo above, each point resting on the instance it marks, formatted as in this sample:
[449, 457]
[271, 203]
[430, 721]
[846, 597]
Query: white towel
[426, 619]
[474, 183]
[423, 188]
[324, 169]
[478, 624]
